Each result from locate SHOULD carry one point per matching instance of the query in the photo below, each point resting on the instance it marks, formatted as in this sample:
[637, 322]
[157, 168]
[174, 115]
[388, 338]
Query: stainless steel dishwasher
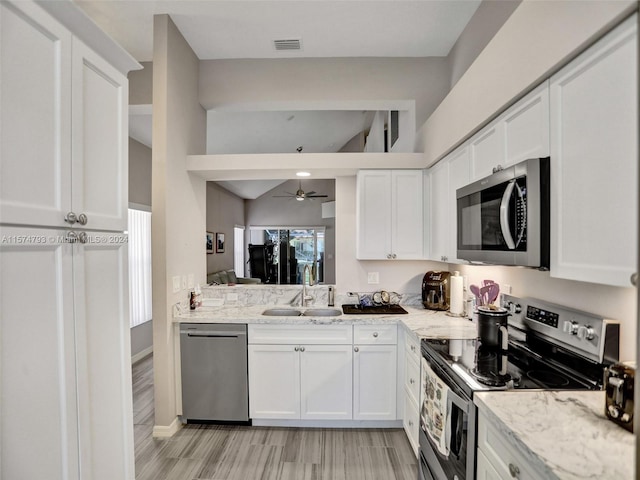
[214, 373]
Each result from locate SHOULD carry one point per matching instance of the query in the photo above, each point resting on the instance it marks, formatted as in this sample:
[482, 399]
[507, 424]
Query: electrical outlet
[191, 281]
[184, 282]
[176, 284]
[373, 278]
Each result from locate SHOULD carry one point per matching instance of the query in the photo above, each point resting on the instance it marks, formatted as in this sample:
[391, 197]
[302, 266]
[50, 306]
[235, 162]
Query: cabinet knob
[72, 237]
[388, 256]
[412, 381]
[634, 279]
[375, 334]
[413, 348]
[356, 349]
[393, 256]
[302, 349]
[82, 237]
[514, 470]
[411, 423]
[70, 218]
[82, 219]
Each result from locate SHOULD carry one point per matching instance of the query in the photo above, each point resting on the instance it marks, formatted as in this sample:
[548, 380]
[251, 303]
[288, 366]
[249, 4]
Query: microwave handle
[504, 215]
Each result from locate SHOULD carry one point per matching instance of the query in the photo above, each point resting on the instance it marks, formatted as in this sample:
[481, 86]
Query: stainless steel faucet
[304, 297]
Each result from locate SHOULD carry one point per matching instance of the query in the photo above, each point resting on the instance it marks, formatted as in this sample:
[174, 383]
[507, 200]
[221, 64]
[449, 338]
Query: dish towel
[434, 413]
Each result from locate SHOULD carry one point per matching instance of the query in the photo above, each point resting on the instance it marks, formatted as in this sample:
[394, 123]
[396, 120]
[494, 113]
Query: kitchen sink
[322, 312]
[282, 312]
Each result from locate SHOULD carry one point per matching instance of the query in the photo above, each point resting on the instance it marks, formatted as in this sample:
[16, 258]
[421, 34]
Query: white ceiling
[247, 29]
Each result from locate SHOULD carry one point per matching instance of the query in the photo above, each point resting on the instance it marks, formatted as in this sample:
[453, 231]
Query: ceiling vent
[287, 44]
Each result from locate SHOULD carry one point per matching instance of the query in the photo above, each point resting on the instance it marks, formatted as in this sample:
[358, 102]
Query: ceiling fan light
[303, 174]
[300, 199]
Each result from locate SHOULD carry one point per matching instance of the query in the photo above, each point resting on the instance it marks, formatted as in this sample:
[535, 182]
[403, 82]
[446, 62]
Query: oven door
[460, 425]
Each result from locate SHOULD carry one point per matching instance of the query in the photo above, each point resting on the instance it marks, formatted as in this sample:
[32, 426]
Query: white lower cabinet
[294, 379]
[497, 457]
[411, 389]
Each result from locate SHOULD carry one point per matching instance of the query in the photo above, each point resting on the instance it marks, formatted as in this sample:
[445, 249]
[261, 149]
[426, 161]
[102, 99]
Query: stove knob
[570, 327]
[586, 333]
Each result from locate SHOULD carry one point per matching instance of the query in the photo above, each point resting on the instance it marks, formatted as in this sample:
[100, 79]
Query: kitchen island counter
[562, 434]
[424, 323]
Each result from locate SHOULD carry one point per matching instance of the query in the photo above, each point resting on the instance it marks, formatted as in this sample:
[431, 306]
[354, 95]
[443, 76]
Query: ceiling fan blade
[310, 193]
[317, 196]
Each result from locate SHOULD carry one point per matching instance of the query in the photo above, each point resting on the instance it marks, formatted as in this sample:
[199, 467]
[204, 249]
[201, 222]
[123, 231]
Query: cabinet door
[526, 127]
[373, 214]
[374, 386]
[100, 141]
[459, 176]
[274, 381]
[487, 150]
[326, 382]
[37, 359]
[101, 304]
[35, 118]
[407, 206]
[594, 155]
[438, 204]
[411, 423]
[484, 469]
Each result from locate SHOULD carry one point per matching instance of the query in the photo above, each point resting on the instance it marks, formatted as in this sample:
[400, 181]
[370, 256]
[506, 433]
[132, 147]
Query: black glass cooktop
[484, 368]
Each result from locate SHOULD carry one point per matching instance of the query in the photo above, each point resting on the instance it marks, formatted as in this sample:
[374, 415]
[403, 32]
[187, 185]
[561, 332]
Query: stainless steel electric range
[550, 347]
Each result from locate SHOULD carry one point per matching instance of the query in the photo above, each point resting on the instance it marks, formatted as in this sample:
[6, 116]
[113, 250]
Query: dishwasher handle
[212, 334]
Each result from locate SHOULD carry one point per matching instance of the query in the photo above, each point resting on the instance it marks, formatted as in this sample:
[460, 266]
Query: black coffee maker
[435, 290]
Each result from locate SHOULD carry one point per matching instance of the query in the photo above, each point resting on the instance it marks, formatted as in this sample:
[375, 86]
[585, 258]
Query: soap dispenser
[330, 297]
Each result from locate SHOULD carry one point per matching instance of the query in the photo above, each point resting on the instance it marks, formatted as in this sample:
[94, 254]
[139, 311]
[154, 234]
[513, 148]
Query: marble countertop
[424, 323]
[563, 433]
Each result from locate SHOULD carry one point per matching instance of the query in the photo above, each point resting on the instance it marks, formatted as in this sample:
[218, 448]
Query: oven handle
[456, 417]
[504, 215]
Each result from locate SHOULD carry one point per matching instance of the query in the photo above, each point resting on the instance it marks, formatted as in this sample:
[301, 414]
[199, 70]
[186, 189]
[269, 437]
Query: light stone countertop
[564, 434]
[424, 323]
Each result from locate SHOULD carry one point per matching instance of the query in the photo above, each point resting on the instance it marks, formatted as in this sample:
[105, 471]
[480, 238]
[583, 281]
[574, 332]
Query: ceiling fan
[300, 194]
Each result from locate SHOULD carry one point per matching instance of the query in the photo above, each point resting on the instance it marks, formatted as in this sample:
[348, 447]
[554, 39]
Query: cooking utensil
[476, 292]
[494, 291]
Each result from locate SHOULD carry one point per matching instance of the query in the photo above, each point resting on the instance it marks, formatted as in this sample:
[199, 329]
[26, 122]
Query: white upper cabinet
[520, 133]
[487, 149]
[594, 162]
[35, 118]
[100, 141]
[526, 127]
[447, 176]
[51, 84]
[390, 214]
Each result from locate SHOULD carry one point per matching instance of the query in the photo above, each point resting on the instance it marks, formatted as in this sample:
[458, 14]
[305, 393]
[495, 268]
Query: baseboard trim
[161, 431]
[141, 355]
[268, 422]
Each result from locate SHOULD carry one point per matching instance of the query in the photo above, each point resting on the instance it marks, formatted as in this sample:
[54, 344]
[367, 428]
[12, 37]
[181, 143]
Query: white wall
[179, 199]
[536, 40]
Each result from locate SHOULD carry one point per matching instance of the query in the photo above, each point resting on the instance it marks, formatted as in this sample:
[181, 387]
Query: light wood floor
[260, 453]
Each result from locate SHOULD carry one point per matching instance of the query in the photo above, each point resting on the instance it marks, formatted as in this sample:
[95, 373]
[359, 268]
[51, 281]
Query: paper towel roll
[457, 297]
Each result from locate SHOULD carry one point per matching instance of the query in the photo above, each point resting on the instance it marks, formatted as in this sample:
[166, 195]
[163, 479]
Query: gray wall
[225, 210]
[316, 80]
[488, 19]
[140, 193]
[141, 85]
[269, 211]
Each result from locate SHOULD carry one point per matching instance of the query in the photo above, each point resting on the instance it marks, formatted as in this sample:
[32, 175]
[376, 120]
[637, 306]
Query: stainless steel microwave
[503, 219]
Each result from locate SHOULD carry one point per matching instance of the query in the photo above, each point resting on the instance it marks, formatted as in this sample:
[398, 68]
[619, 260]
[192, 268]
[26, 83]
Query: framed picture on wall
[219, 242]
[209, 242]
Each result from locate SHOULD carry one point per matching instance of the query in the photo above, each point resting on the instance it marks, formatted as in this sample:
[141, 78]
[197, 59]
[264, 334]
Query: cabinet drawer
[412, 378]
[500, 453]
[412, 346]
[300, 334]
[411, 422]
[375, 334]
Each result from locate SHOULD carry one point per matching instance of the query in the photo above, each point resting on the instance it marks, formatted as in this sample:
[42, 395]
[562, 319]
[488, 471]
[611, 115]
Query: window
[238, 250]
[139, 266]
